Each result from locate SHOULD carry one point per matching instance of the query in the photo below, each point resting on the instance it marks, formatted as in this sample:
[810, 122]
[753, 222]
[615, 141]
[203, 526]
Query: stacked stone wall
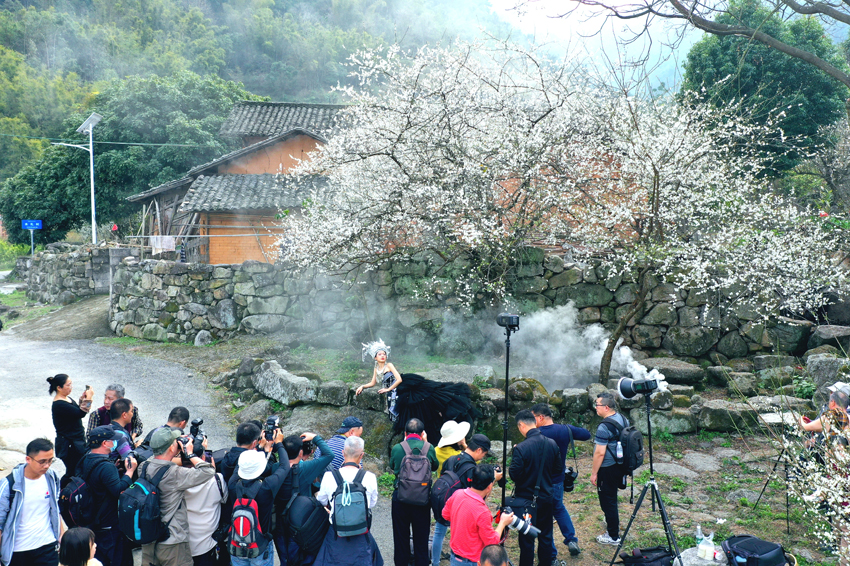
[164, 300]
[64, 273]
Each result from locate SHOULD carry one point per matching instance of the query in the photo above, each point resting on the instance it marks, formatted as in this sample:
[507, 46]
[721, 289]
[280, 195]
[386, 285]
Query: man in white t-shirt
[203, 507]
[30, 527]
[360, 550]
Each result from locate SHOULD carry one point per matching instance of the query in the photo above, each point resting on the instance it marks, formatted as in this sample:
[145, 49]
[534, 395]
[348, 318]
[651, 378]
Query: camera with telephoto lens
[195, 428]
[570, 476]
[198, 436]
[521, 525]
[272, 424]
[509, 321]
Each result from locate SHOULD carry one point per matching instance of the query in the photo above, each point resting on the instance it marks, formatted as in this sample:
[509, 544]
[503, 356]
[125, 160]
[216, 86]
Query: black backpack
[245, 536]
[414, 476]
[632, 441]
[306, 518]
[76, 504]
[139, 517]
[654, 556]
[351, 513]
[754, 551]
[444, 486]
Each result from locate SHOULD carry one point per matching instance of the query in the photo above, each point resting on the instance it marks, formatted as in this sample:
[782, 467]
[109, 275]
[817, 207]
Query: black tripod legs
[779, 458]
[668, 529]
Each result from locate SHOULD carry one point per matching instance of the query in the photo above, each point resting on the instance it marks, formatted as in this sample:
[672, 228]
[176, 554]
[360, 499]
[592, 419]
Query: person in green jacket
[407, 516]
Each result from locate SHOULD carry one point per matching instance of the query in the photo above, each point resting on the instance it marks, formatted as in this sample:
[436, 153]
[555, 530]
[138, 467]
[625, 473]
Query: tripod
[787, 497]
[505, 423]
[655, 496]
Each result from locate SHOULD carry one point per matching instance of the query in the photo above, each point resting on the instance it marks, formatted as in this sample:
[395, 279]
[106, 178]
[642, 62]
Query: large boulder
[790, 335]
[692, 342]
[718, 375]
[265, 323]
[224, 315]
[726, 416]
[824, 370]
[255, 411]
[647, 336]
[765, 362]
[742, 385]
[779, 403]
[825, 349]
[677, 421]
[333, 393]
[460, 373]
[776, 377]
[585, 295]
[572, 401]
[838, 336]
[661, 314]
[732, 345]
[676, 371]
[276, 383]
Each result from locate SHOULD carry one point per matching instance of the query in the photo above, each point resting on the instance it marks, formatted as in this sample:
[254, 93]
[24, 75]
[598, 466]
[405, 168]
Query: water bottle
[699, 535]
[619, 450]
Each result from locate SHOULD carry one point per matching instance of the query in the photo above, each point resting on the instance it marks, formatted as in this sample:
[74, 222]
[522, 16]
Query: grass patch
[28, 310]
[386, 484]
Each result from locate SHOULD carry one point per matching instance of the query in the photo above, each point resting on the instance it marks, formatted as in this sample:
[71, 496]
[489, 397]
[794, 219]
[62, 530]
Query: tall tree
[732, 68]
[461, 157]
[168, 124]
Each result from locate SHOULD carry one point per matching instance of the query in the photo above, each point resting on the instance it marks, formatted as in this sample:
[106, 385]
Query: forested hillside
[57, 56]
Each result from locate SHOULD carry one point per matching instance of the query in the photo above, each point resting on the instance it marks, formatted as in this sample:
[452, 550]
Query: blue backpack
[139, 517]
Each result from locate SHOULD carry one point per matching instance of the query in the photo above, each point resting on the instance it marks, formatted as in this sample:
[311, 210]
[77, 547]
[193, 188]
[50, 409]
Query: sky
[582, 33]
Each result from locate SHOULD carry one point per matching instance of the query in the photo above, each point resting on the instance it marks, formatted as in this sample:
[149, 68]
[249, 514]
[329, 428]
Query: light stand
[654, 497]
[510, 322]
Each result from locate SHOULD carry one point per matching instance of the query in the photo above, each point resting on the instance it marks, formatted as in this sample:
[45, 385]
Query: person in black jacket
[105, 484]
[251, 466]
[248, 437]
[531, 456]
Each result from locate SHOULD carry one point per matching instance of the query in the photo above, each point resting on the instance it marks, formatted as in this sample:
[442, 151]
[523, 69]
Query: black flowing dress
[433, 402]
[70, 434]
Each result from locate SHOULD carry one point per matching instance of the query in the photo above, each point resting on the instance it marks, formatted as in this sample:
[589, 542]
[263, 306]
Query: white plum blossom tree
[468, 154]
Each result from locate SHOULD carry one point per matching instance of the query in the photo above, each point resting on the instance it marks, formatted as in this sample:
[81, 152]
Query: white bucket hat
[251, 464]
[452, 432]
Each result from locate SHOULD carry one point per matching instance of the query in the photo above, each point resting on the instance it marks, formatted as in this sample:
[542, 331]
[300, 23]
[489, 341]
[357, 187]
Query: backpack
[443, 488]
[246, 538]
[753, 551]
[76, 504]
[414, 476]
[139, 517]
[307, 519]
[654, 556]
[632, 441]
[351, 513]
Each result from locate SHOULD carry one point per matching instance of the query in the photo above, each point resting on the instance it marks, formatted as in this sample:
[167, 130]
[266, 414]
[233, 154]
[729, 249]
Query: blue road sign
[30, 224]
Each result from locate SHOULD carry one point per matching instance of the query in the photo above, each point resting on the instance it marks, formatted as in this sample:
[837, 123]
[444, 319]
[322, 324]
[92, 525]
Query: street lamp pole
[87, 127]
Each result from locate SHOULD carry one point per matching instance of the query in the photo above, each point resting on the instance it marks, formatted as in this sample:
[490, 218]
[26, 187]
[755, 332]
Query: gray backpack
[414, 476]
[351, 514]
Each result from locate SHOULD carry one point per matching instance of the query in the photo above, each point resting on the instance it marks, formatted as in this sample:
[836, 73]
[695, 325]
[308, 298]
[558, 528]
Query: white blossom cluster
[472, 152]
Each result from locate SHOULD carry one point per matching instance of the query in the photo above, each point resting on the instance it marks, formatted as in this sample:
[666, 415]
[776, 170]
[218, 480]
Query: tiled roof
[252, 148]
[176, 184]
[247, 192]
[248, 118]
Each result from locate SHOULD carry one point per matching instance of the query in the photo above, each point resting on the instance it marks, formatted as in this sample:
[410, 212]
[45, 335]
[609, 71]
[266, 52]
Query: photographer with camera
[167, 445]
[470, 520]
[101, 416]
[178, 418]
[248, 437]
[535, 461]
[306, 470]
[564, 436]
[607, 474]
[105, 484]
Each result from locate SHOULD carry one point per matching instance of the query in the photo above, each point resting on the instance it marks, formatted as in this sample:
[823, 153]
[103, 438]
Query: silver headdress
[372, 349]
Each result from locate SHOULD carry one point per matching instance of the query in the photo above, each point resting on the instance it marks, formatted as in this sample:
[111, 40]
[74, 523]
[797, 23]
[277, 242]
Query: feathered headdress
[372, 349]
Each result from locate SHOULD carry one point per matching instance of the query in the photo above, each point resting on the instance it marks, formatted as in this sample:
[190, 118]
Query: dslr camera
[198, 436]
[521, 525]
[570, 476]
[272, 424]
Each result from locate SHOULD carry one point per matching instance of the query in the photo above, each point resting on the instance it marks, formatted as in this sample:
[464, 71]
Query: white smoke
[554, 348]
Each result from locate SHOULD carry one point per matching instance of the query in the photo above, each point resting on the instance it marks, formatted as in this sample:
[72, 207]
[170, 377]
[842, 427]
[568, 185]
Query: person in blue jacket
[563, 435]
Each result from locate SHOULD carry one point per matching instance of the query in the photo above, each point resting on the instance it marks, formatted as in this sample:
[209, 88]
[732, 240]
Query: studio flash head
[509, 321]
[629, 387]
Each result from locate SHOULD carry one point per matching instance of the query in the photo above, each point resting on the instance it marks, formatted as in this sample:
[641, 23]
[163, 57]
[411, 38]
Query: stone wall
[163, 300]
[64, 273]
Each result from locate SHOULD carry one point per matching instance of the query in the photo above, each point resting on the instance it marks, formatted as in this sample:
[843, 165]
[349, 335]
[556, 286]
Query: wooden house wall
[262, 246]
[277, 158]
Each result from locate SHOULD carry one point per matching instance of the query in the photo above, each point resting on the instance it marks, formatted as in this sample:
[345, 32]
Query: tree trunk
[637, 306]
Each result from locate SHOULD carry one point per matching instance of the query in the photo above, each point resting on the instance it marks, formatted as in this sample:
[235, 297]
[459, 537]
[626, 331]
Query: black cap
[478, 441]
[102, 434]
[348, 423]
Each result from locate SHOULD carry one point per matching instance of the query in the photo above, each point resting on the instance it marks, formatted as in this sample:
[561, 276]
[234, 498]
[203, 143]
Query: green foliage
[804, 387]
[9, 252]
[386, 484]
[665, 436]
[768, 79]
[181, 109]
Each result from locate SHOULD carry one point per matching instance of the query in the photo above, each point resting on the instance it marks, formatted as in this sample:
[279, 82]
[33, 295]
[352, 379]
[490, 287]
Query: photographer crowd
[305, 499]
